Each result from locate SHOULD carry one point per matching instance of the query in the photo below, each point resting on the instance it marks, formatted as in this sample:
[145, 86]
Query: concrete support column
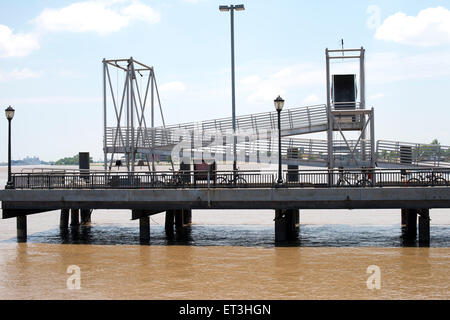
[21, 228]
[179, 221]
[286, 224]
[424, 226]
[187, 217]
[404, 215]
[64, 219]
[410, 229]
[74, 217]
[144, 228]
[85, 216]
[169, 223]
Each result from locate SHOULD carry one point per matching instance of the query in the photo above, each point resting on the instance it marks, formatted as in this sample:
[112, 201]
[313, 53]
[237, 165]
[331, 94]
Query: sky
[51, 63]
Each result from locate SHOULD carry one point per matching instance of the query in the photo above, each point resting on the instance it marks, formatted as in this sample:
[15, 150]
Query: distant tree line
[70, 161]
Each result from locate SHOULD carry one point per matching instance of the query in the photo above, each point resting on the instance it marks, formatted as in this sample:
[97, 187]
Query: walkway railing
[358, 178]
[293, 121]
[405, 153]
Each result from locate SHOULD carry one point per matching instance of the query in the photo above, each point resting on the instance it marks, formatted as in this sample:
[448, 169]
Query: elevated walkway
[294, 121]
[254, 142]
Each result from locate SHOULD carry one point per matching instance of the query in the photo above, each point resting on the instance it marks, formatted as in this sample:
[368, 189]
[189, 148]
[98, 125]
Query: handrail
[294, 118]
[357, 178]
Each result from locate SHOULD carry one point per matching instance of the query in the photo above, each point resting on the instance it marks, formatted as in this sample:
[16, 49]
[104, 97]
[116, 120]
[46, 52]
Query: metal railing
[367, 178]
[299, 150]
[408, 153]
[142, 180]
[341, 178]
[310, 118]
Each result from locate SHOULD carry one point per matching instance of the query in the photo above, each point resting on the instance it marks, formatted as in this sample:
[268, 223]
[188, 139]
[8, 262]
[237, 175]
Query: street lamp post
[279, 103]
[9, 115]
[231, 8]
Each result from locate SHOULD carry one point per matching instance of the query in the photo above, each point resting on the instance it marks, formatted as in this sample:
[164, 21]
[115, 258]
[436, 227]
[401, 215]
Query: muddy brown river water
[226, 255]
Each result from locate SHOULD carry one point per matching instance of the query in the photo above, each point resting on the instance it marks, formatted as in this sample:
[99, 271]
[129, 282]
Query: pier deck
[415, 192]
[20, 202]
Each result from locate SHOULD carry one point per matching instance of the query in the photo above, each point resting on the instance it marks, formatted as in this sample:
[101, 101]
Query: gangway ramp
[294, 121]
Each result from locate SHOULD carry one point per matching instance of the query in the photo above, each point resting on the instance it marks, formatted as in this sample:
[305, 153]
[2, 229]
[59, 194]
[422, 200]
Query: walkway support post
[169, 223]
[286, 224]
[424, 227]
[21, 228]
[85, 216]
[74, 217]
[410, 229]
[179, 220]
[144, 228]
[187, 217]
[64, 219]
[404, 217]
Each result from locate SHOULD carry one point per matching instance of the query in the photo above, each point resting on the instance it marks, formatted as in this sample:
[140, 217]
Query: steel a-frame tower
[341, 119]
[130, 134]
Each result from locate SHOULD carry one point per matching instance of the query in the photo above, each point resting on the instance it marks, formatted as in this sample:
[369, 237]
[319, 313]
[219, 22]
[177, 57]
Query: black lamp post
[279, 103]
[9, 115]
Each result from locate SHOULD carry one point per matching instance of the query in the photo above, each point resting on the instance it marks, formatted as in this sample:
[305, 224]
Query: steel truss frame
[132, 109]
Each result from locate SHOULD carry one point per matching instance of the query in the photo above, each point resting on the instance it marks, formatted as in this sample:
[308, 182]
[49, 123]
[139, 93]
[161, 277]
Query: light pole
[231, 8]
[9, 115]
[279, 103]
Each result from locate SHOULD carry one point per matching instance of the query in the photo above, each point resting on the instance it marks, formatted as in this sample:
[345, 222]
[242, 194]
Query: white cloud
[140, 11]
[102, 17]
[19, 74]
[58, 100]
[265, 89]
[194, 1]
[386, 67]
[376, 96]
[313, 98]
[174, 86]
[16, 44]
[265, 92]
[285, 72]
[250, 80]
[429, 28]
